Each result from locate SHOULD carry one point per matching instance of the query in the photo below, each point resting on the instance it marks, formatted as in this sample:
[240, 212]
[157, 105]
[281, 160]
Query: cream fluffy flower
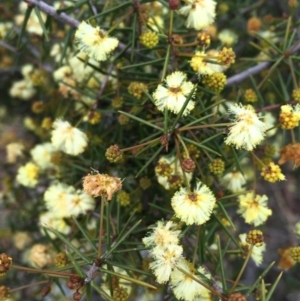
[175, 171]
[22, 89]
[81, 203]
[199, 65]
[63, 201]
[94, 42]
[193, 207]
[163, 234]
[185, 287]
[227, 37]
[13, 151]
[67, 138]
[233, 181]
[48, 220]
[58, 198]
[201, 13]
[257, 252]
[253, 208]
[40, 255]
[174, 95]
[28, 175]
[164, 261]
[247, 130]
[42, 154]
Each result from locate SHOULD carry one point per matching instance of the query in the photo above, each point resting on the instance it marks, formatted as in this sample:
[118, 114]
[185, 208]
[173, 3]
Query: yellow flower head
[253, 208]
[28, 175]
[289, 117]
[272, 173]
[184, 287]
[257, 251]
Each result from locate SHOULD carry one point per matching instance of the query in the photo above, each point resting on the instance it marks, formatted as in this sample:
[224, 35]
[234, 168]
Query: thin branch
[51, 11]
[235, 79]
[63, 17]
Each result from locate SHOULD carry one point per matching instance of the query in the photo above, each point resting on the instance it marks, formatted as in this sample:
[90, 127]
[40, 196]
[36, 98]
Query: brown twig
[51, 11]
[235, 79]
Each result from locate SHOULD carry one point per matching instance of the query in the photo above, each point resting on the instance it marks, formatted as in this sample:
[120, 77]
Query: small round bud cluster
[4, 292]
[38, 107]
[255, 238]
[113, 154]
[272, 173]
[61, 260]
[123, 198]
[77, 296]
[290, 152]
[94, 117]
[203, 39]
[175, 181]
[296, 94]
[237, 297]
[37, 77]
[223, 8]
[188, 165]
[164, 140]
[295, 253]
[75, 282]
[289, 117]
[5, 262]
[120, 294]
[137, 89]
[176, 39]
[145, 183]
[163, 169]
[117, 102]
[226, 56]
[215, 81]
[46, 123]
[250, 95]
[293, 3]
[149, 39]
[174, 4]
[217, 166]
[193, 151]
[123, 119]
[253, 24]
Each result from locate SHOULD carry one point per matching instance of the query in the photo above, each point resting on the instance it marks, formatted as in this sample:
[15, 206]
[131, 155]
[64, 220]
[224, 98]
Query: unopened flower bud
[173, 4]
[5, 262]
[188, 165]
[295, 253]
[255, 238]
[237, 297]
[113, 154]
